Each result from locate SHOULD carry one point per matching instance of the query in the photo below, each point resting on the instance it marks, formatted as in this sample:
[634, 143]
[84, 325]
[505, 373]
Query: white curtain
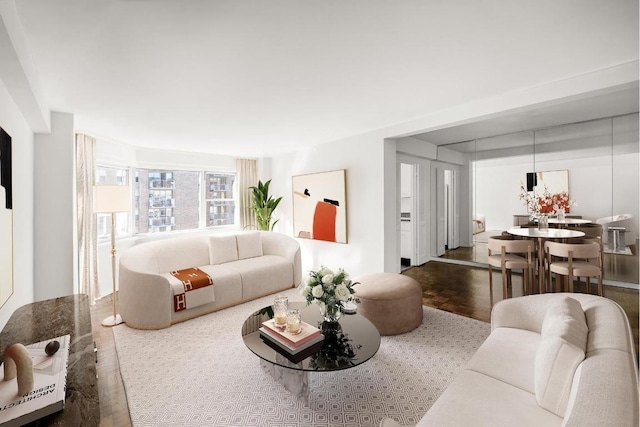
[87, 227]
[247, 177]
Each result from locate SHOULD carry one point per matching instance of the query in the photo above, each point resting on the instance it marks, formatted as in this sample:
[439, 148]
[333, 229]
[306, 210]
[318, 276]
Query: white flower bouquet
[329, 290]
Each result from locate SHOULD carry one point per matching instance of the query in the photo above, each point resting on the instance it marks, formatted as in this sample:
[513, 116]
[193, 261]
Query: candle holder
[280, 308]
[294, 324]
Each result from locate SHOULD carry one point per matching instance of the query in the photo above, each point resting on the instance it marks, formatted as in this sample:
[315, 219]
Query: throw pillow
[222, 249]
[566, 319]
[249, 245]
[562, 349]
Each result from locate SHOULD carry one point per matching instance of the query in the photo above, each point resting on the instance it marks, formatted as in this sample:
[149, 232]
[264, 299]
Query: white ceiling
[259, 78]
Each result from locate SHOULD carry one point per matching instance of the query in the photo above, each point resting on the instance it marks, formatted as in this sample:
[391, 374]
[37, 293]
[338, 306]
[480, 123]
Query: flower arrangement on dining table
[330, 290]
[546, 203]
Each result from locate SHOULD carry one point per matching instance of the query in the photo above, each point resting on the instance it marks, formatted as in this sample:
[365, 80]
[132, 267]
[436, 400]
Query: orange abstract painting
[324, 222]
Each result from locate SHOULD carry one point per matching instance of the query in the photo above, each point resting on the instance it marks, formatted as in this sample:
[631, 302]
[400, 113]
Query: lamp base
[112, 320]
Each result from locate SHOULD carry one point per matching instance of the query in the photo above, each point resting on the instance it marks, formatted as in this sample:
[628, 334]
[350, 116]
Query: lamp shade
[111, 198]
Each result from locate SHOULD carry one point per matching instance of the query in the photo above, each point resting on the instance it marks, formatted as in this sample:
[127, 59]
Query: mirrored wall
[595, 162]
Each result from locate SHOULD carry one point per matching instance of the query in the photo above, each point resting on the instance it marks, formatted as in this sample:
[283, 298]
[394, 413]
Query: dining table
[542, 235]
[568, 221]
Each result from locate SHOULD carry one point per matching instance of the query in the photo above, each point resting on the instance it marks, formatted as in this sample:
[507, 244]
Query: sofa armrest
[287, 247]
[528, 312]
[144, 299]
[521, 313]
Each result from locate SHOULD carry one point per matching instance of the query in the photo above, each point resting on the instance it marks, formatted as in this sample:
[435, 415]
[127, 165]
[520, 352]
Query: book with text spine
[307, 334]
[49, 386]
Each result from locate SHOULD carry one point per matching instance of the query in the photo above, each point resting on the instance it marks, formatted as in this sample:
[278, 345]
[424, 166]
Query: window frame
[202, 200]
[204, 215]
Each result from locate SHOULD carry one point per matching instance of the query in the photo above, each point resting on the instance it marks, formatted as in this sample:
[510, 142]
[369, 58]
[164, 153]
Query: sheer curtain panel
[247, 177]
[87, 227]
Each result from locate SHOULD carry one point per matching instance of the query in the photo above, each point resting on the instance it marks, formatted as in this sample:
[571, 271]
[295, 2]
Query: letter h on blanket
[191, 287]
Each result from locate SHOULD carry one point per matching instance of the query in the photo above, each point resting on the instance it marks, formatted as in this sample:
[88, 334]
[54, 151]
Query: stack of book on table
[295, 347]
[49, 386]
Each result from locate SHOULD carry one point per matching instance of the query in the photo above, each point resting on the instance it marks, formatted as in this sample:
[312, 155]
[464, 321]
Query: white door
[455, 223]
[452, 214]
[440, 212]
[421, 222]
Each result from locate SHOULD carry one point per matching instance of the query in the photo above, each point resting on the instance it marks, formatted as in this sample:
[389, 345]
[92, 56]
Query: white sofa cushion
[222, 248]
[508, 355]
[249, 245]
[562, 349]
[261, 275]
[474, 399]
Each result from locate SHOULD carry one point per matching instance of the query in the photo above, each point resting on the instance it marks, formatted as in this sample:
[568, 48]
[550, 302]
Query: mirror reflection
[594, 161]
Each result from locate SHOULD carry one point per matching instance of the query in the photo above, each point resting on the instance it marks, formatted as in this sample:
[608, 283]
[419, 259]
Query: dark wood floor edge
[466, 316]
[605, 282]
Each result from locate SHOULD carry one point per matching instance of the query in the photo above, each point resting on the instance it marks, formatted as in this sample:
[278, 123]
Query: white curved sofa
[542, 366]
[243, 266]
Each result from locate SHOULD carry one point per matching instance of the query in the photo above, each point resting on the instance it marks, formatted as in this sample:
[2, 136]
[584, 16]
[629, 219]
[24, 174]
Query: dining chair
[573, 260]
[592, 231]
[506, 254]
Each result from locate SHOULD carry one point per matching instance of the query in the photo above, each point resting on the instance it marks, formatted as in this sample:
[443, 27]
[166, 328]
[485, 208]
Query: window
[168, 200]
[112, 176]
[220, 206]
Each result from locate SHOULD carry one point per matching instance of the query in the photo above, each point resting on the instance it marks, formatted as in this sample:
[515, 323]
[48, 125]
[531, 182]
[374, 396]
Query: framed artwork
[550, 191]
[6, 218]
[319, 206]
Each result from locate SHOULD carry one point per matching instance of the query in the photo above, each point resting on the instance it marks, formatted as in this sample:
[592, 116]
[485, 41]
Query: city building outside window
[168, 200]
[220, 201]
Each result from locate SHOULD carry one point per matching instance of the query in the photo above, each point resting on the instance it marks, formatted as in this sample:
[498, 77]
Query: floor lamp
[112, 199]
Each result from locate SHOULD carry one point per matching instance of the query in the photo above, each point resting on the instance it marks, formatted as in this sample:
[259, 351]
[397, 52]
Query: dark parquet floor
[465, 290]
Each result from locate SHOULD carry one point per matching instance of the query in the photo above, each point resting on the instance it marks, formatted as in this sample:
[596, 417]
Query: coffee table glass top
[354, 342]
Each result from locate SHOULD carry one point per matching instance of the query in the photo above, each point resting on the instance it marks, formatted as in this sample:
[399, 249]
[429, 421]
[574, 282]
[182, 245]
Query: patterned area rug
[200, 373]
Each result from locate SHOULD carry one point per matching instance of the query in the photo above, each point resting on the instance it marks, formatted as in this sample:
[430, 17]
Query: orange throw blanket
[190, 291]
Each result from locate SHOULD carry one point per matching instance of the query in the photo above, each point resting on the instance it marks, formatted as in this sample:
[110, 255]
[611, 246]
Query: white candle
[293, 326]
[280, 318]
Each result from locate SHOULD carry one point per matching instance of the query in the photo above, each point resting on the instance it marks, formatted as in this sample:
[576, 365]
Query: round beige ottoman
[392, 302]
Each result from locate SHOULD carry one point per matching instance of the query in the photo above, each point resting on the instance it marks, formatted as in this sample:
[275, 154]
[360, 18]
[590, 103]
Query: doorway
[407, 215]
[447, 209]
[413, 210]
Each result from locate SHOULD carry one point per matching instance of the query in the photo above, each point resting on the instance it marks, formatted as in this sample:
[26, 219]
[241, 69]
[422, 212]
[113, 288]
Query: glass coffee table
[350, 343]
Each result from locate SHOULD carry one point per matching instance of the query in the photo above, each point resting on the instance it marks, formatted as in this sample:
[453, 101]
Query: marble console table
[43, 320]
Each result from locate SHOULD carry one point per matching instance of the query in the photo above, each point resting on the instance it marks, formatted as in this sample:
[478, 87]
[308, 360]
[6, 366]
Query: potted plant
[264, 205]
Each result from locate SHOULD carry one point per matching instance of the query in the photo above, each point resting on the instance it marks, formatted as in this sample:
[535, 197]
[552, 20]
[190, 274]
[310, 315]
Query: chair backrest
[591, 230]
[589, 250]
[495, 244]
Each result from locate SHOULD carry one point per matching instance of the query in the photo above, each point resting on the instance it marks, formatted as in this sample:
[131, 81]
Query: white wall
[590, 185]
[22, 140]
[54, 204]
[363, 160]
